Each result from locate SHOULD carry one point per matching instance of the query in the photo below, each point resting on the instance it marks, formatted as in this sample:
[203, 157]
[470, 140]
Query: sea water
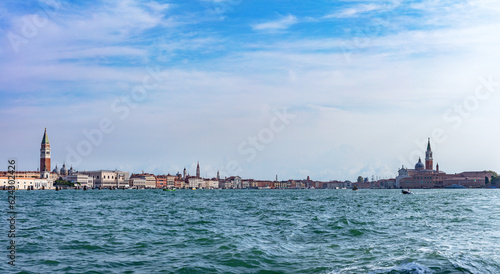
[255, 231]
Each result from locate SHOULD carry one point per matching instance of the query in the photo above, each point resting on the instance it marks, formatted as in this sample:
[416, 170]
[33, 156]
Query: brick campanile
[428, 156]
[45, 156]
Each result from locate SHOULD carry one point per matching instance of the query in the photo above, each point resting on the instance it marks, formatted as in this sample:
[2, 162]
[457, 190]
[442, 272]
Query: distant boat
[355, 188]
[406, 191]
[169, 189]
[455, 186]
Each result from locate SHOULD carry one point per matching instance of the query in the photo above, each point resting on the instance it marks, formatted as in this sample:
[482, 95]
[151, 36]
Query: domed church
[424, 176]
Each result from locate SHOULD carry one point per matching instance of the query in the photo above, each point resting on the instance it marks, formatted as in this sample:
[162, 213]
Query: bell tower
[45, 156]
[428, 156]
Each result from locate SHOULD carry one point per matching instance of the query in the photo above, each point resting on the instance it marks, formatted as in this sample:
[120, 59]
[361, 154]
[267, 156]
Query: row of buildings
[422, 176]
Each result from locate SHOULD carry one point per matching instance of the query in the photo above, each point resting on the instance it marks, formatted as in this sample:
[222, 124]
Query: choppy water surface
[256, 231]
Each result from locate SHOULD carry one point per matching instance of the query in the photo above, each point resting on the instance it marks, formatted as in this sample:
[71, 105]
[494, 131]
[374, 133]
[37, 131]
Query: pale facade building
[171, 181]
[245, 184]
[231, 182]
[108, 178]
[26, 183]
[138, 183]
[150, 179]
[83, 179]
[195, 182]
[212, 184]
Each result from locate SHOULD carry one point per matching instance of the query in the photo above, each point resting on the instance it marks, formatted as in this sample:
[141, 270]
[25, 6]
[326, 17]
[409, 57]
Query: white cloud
[157, 7]
[280, 24]
[355, 11]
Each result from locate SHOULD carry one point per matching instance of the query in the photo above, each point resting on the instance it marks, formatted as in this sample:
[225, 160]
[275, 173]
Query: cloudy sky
[326, 89]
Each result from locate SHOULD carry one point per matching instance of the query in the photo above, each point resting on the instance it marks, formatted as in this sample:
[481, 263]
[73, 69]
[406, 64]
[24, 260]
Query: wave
[406, 268]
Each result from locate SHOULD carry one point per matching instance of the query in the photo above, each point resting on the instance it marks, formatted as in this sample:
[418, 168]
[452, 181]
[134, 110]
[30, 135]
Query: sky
[326, 89]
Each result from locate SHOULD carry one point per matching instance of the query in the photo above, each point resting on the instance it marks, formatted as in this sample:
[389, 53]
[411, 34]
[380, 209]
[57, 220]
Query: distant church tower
[184, 174]
[428, 156]
[198, 170]
[45, 156]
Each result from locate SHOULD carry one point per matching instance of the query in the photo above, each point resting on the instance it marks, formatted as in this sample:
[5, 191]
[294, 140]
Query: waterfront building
[281, 184]
[180, 183]
[252, 183]
[298, 184]
[161, 181]
[424, 176]
[232, 182]
[212, 183]
[150, 179]
[196, 182]
[26, 183]
[137, 183]
[363, 184]
[257, 183]
[171, 180]
[334, 185]
[384, 183]
[28, 174]
[80, 180]
[225, 184]
[167, 181]
[44, 183]
[109, 178]
[469, 179]
[245, 184]
[222, 183]
[264, 184]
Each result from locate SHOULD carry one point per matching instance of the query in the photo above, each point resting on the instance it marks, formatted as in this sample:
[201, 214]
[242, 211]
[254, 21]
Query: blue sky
[361, 82]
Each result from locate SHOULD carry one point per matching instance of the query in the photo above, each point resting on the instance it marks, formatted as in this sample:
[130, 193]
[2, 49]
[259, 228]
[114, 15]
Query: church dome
[63, 171]
[419, 165]
[56, 170]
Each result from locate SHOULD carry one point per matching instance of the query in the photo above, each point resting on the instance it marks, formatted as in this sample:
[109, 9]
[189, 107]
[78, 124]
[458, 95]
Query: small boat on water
[169, 189]
[355, 188]
[406, 191]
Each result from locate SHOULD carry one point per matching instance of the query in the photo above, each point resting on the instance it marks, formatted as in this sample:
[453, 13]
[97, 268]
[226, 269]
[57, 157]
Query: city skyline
[421, 176]
[46, 172]
[330, 90]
